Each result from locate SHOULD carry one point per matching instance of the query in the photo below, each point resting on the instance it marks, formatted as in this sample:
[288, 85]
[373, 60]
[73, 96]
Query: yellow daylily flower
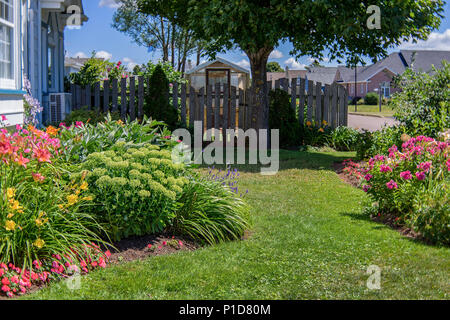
[39, 243]
[84, 186]
[72, 199]
[10, 192]
[10, 225]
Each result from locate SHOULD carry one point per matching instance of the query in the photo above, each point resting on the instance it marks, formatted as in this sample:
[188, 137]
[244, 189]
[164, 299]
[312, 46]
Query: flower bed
[403, 183]
[65, 192]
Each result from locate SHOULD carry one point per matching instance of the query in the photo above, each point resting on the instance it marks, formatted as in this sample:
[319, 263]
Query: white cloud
[294, 64]
[80, 55]
[323, 60]
[436, 41]
[130, 64]
[103, 54]
[244, 63]
[276, 54]
[109, 4]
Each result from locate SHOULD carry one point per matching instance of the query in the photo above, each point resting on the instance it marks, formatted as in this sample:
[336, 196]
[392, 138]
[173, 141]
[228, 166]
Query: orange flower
[52, 131]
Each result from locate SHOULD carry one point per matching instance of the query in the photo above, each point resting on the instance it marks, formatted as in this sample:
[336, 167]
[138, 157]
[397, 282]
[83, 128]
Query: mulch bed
[338, 167]
[137, 248]
[389, 220]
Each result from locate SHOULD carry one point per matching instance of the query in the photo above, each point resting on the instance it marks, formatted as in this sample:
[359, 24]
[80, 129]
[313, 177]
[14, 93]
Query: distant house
[219, 71]
[73, 65]
[289, 74]
[379, 75]
[32, 45]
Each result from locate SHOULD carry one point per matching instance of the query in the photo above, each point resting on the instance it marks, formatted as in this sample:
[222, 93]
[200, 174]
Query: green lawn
[309, 241]
[372, 110]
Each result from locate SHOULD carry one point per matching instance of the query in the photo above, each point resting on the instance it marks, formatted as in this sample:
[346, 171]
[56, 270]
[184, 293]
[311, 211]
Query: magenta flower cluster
[393, 180]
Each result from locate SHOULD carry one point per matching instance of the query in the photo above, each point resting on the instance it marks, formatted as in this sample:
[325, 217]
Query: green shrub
[135, 187]
[88, 116]
[157, 104]
[431, 213]
[211, 212]
[282, 117]
[344, 139]
[378, 142]
[371, 99]
[423, 105]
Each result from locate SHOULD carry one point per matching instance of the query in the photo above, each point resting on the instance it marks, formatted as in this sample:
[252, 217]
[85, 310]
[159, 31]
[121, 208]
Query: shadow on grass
[290, 160]
[378, 226]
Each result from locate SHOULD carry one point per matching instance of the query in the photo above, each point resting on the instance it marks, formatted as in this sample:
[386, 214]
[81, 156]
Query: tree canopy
[274, 66]
[336, 28]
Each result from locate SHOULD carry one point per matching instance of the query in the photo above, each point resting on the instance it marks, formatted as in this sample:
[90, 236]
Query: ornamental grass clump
[135, 188]
[404, 182]
[212, 209]
[40, 214]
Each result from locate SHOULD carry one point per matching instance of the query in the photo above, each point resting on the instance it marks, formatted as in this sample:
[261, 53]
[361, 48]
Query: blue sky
[97, 34]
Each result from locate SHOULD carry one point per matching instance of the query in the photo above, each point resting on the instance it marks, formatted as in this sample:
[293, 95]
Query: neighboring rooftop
[324, 75]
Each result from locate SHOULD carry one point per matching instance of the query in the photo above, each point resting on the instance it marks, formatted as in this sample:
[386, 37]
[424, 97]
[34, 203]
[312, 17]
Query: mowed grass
[309, 240]
[386, 111]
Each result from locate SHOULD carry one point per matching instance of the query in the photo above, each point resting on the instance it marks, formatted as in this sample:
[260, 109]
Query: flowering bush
[81, 139]
[397, 181]
[17, 281]
[31, 105]
[135, 187]
[316, 134]
[40, 215]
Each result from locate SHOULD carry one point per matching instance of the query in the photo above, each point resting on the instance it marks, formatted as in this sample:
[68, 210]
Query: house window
[6, 39]
[386, 89]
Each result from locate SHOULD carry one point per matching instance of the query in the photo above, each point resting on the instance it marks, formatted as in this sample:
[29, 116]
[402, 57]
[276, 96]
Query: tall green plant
[157, 104]
[423, 105]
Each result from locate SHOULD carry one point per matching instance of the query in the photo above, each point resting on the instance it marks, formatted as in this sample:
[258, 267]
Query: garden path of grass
[309, 241]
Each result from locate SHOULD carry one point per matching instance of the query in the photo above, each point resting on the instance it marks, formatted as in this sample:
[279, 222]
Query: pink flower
[406, 175]
[425, 166]
[366, 188]
[448, 164]
[5, 288]
[4, 118]
[149, 246]
[164, 243]
[5, 281]
[108, 254]
[385, 168]
[392, 185]
[420, 176]
[368, 177]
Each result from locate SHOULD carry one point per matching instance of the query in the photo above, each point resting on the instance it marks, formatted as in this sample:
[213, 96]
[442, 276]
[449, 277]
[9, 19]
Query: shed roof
[226, 62]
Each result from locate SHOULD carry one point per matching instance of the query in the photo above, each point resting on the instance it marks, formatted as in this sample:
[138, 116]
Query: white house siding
[31, 41]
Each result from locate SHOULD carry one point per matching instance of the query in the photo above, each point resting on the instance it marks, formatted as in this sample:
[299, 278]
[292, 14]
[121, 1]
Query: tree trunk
[259, 95]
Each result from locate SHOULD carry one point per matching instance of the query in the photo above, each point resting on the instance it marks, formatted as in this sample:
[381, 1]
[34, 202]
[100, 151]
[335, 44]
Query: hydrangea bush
[402, 182]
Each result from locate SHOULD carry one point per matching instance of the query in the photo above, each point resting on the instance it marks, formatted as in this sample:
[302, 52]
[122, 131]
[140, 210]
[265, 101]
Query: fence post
[132, 108]
[294, 94]
[326, 104]
[123, 98]
[191, 106]
[201, 108]
[217, 107]
[241, 109]
[97, 96]
[140, 97]
[106, 96]
[334, 102]
[302, 99]
[309, 111]
[115, 105]
[226, 94]
[233, 108]
[318, 114]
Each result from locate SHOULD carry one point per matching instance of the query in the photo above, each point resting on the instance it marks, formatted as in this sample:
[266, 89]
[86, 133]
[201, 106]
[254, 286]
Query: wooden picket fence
[219, 106]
